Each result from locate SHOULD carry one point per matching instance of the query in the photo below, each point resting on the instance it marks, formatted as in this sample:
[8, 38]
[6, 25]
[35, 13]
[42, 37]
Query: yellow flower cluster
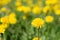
[9, 19]
[24, 9]
[6, 20]
[38, 22]
[3, 27]
[49, 2]
[51, 5]
[30, 7]
[37, 9]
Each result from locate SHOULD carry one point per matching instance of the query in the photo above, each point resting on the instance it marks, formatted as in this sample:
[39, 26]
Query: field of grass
[29, 20]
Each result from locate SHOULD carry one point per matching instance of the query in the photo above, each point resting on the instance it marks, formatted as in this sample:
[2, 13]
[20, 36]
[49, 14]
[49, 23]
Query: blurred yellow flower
[46, 9]
[48, 2]
[27, 9]
[36, 38]
[55, 7]
[3, 27]
[36, 10]
[12, 20]
[37, 22]
[57, 12]
[20, 8]
[2, 30]
[18, 3]
[4, 2]
[4, 9]
[49, 19]
[0, 3]
[24, 9]
[12, 14]
[5, 19]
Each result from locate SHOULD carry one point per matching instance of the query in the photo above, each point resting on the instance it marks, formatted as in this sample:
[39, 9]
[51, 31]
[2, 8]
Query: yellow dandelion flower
[0, 3]
[24, 9]
[4, 9]
[5, 19]
[20, 8]
[2, 30]
[46, 9]
[48, 2]
[49, 19]
[36, 38]
[6, 1]
[12, 20]
[12, 14]
[36, 10]
[18, 3]
[55, 7]
[3, 27]
[27, 9]
[37, 22]
[57, 12]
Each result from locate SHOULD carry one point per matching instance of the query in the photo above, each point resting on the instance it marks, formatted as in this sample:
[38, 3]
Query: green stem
[38, 33]
[4, 37]
[0, 36]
